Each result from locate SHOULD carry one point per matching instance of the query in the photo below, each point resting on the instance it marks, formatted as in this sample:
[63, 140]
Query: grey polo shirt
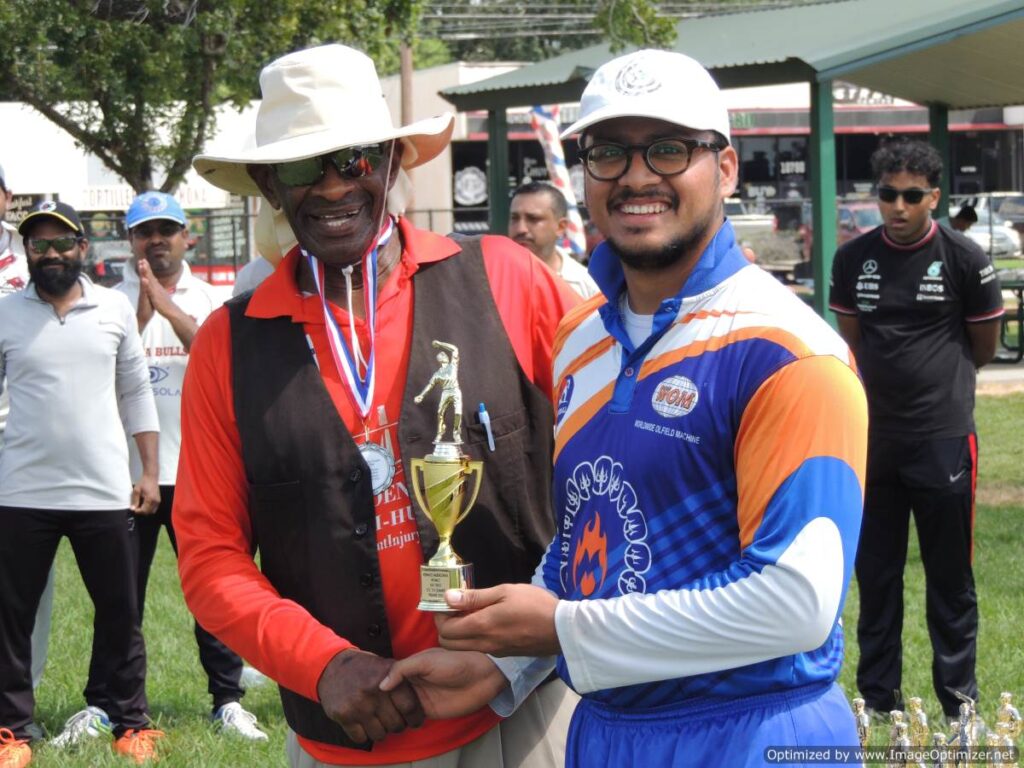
[65, 447]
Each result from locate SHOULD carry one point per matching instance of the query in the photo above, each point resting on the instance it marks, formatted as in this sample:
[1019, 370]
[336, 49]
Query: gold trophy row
[910, 729]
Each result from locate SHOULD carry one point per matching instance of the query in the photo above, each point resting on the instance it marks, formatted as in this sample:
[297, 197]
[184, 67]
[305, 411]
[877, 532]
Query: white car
[996, 236]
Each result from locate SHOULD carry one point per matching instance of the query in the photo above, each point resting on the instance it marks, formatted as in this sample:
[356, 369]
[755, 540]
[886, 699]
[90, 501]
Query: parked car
[1008, 205]
[996, 236]
[748, 225]
[853, 220]
[107, 261]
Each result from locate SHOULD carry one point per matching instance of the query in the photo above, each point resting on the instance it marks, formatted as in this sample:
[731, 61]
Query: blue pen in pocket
[485, 419]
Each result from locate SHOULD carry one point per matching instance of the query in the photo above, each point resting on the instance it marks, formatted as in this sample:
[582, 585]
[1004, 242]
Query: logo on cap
[153, 203]
[47, 206]
[635, 79]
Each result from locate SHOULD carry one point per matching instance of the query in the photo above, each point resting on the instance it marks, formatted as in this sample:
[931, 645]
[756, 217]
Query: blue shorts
[709, 734]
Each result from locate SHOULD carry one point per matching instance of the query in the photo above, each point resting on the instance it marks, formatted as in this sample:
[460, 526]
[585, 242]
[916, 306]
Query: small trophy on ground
[919, 731]
[439, 481]
[863, 720]
[1008, 715]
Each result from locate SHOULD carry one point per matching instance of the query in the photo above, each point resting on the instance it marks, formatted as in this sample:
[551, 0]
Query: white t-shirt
[64, 446]
[167, 358]
[576, 275]
[638, 327]
[251, 275]
[13, 277]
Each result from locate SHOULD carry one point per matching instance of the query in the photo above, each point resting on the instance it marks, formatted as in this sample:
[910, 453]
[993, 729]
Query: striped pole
[545, 123]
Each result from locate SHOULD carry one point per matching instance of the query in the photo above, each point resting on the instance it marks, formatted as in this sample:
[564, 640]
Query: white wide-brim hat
[317, 101]
[661, 85]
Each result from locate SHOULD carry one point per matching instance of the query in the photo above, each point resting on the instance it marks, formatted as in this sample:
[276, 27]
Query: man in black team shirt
[920, 305]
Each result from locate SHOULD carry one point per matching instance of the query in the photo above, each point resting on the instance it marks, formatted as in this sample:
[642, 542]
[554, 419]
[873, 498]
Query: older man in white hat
[298, 426]
[709, 469]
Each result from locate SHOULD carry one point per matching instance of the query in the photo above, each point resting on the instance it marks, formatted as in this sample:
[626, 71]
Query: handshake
[371, 696]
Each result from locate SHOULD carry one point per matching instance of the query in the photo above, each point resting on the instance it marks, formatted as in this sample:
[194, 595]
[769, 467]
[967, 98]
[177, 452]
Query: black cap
[62, 212]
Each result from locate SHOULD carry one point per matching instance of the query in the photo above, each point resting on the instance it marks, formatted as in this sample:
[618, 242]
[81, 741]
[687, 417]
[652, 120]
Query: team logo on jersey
[935, 269]
[675, 396]
[564, 398]
[870, 267]
[603, 531]
[157, 374]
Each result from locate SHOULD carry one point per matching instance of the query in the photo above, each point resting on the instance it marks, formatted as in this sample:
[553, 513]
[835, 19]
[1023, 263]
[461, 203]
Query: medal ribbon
[359, 386]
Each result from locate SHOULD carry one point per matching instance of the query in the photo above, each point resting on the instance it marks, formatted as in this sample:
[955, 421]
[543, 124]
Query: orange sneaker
[14, 753]
[140, 745]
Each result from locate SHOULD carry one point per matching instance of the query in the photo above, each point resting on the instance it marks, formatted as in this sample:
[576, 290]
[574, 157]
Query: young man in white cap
[170, 305]
[72, 357]
[298, 424]
[709, 469]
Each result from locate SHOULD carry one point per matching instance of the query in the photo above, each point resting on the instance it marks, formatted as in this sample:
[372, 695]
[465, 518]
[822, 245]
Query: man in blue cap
[171, 303]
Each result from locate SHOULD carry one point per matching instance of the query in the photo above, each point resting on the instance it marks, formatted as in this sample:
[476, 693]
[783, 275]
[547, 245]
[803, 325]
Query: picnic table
[1012, 280]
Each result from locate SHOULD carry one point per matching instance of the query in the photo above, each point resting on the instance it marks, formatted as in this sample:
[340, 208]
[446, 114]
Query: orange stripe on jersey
[581, 416]
[783, 338]
[572, 320]
[588, 356]
[704, 314]
[791, 418]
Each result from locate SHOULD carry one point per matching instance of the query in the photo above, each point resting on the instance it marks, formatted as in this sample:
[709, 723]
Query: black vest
[310, 496]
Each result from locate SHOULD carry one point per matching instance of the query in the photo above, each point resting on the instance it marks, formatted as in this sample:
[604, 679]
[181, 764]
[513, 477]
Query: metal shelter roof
[960, 53]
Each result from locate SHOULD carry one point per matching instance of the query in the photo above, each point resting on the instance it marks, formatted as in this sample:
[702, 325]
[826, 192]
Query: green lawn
[177, 687]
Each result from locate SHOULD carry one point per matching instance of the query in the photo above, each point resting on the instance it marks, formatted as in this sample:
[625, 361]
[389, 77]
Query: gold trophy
[919, 730]
[439, 481]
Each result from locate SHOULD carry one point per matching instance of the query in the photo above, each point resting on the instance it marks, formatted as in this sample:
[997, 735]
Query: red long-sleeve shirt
[222, 585]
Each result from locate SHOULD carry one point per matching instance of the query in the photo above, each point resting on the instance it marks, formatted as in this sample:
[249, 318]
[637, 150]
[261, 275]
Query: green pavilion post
[497, 170]
[823, 192]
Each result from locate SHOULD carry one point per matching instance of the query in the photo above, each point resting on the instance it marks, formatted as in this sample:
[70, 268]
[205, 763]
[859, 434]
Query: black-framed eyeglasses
[351, 162]
[911, 196]
[665, 157]
[63, 244]
[164, 228]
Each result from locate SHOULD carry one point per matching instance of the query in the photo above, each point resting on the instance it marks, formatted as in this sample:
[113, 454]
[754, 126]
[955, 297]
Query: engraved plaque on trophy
[445, 483]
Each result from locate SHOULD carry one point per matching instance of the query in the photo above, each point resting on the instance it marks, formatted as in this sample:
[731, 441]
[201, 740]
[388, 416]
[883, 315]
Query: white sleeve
[134, 392]
[784, 608]
[524, 673]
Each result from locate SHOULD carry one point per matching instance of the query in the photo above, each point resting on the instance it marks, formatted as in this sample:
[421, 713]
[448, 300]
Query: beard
[55, 282]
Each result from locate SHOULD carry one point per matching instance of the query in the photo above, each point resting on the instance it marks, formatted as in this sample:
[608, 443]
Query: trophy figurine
[863, 720]
[439, 481]
[1008, 715]
[919, 730]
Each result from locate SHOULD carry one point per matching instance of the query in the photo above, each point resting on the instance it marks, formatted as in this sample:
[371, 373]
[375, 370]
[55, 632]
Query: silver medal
[381, 464]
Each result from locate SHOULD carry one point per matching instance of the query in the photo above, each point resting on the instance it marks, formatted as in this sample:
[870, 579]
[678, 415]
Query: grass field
[177, 686]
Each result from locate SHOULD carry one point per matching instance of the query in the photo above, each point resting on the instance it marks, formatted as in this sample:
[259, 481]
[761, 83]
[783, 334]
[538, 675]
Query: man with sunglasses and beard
[171, 304]
[920, 306]
[72, 357]
[709, 455]
[298, 425]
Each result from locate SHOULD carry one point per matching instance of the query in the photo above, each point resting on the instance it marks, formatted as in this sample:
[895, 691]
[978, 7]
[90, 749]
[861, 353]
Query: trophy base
[436, 579]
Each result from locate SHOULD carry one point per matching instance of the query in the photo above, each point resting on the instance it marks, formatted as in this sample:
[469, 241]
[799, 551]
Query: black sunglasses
[351, 162]
[911, 196]
[63, 244]
[665, 157]
[164, 228]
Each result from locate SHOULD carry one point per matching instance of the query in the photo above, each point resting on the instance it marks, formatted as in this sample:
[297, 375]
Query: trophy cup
[439, 481]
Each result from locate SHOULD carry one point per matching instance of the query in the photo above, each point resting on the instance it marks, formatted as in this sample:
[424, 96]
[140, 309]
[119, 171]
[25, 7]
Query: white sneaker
[90, 723]
[232, 719]
[252, 678]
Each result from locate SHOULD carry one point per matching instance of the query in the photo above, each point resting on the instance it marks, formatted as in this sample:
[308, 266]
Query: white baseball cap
[657, 84]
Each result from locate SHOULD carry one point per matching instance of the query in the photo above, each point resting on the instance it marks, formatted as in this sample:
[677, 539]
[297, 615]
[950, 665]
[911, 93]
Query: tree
[512, 30]
[135, 82]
